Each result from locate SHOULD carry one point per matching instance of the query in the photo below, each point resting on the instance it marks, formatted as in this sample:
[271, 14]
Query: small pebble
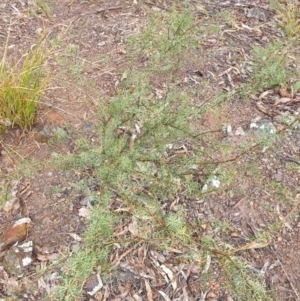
[239, 132]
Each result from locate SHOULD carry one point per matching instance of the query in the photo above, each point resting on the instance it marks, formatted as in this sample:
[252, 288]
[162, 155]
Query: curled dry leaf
[265, 93]
[16, 233]
[263, 108]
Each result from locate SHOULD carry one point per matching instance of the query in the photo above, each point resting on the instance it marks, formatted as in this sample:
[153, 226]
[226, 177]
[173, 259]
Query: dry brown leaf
[133, 229]
[124, 231]
[283, 92]
[170, 249]
[207, 264]
[98, 296]
[142, 253]
[42, 284]
[265, 93]
[157, 257]
[136, 297]
[149, 291]
[46, 257]
[16, 233]
[124, 75]
[125, 209]
[262, 108]
[189, 268]
[106, 294]
[113, 257]
[282, 100]
[159, 93]
[203, 295]
[253, 245]
[184, 296]
[170, 276]
[76, 237]
[211, 295]
[165, 296]
[117, 262]
[288, 226]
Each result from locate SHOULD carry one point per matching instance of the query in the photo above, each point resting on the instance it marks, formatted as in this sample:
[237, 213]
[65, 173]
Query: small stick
[153, 4]
[109, 8]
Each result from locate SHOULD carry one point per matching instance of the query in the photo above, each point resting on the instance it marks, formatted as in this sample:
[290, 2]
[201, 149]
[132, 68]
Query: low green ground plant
[148, 154]
[271, 67]
[44, 5]
[244, 282]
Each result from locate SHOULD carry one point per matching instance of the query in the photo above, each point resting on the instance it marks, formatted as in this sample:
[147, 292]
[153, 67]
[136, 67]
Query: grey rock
[256, 13]
[87, 201]
[262, 125]
[17, 259]
[240, 132]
